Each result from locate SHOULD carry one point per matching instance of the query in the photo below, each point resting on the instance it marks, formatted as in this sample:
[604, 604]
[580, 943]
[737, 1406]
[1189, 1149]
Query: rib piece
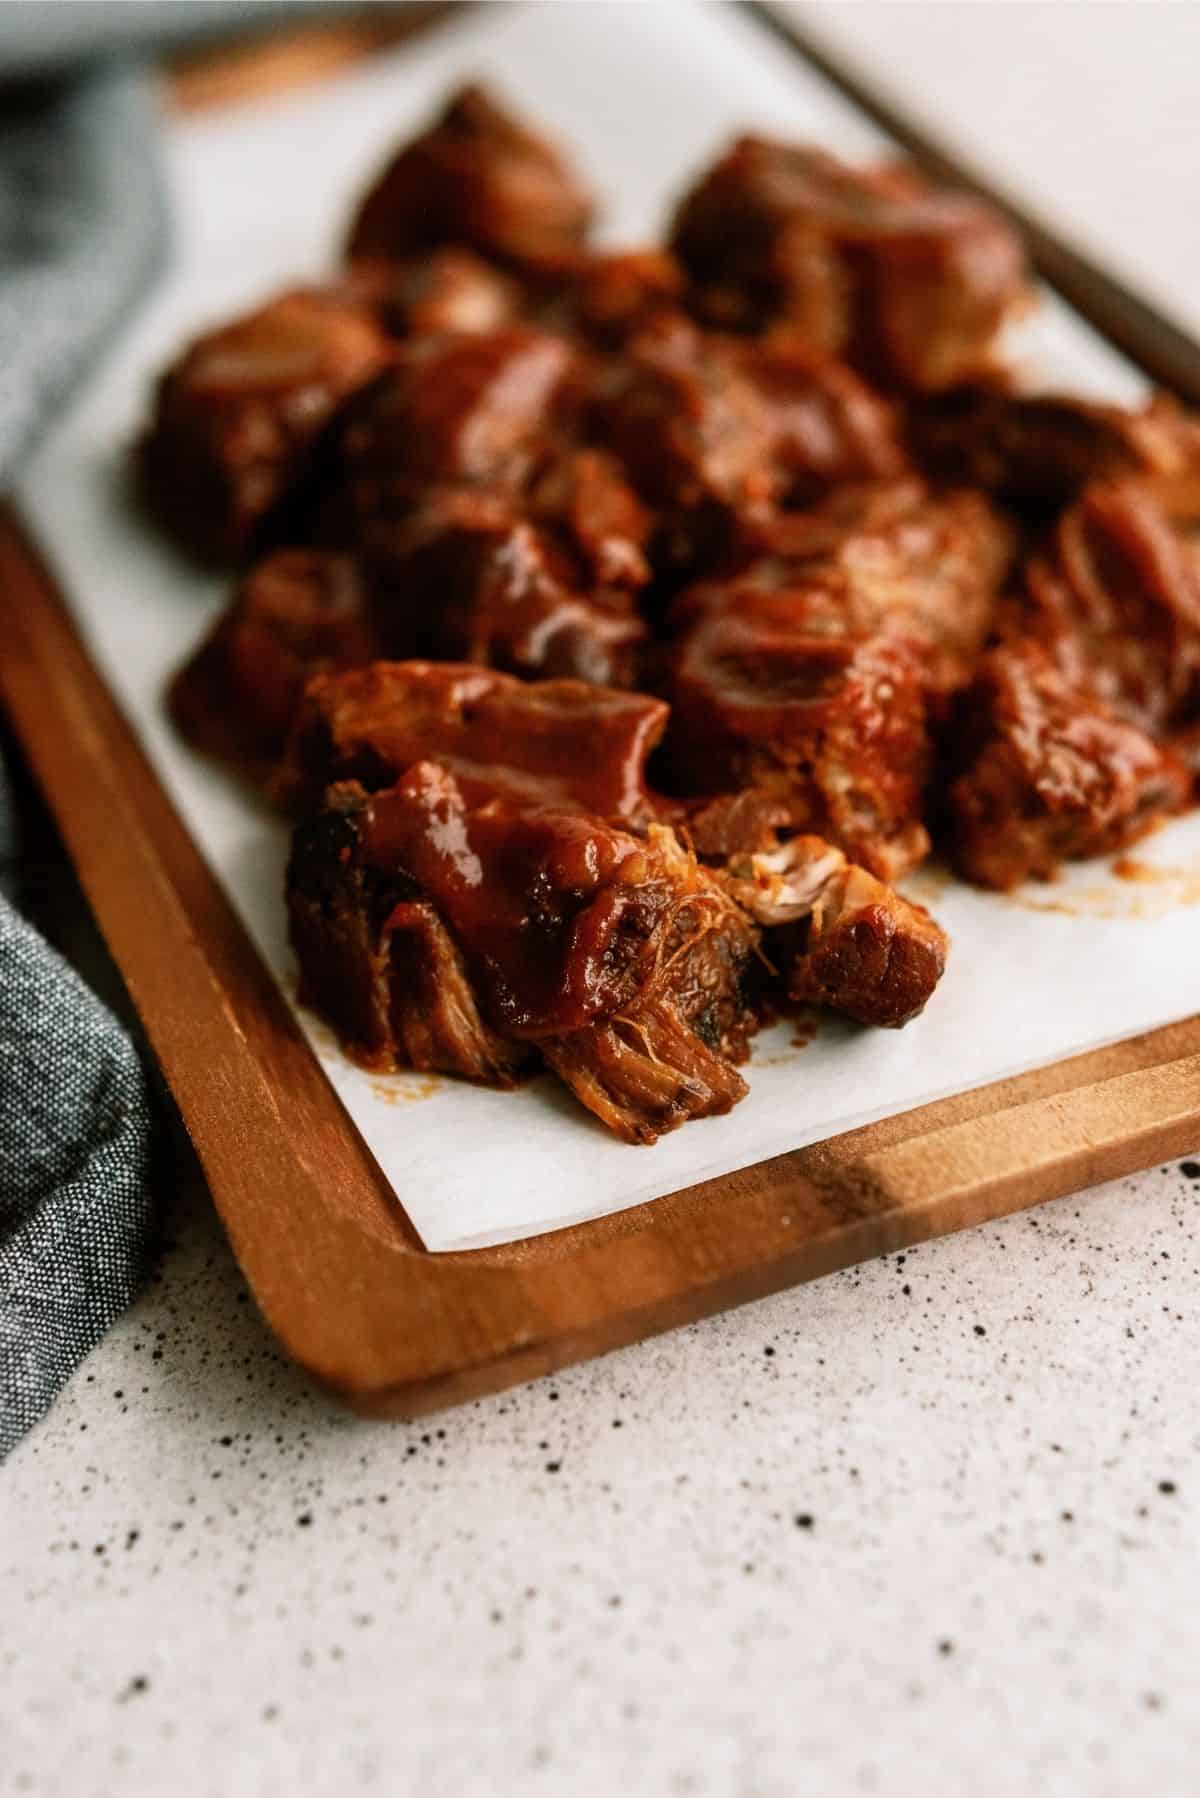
[770, 693]
[840, 937]
[619, 958]
[805, 675]
[1038, 451]
[693, 431]
[471, 576]
[910, 284]
[718, 434]
[579, 744]
[484, 535]
[479, 408]
[476, 176]
[1116, 597]
[1043, 772]
[891, 554]
[293, 614]
[827, 426]
[237, 416]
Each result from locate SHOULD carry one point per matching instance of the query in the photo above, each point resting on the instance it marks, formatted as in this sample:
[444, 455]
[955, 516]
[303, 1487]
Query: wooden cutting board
[336, 1267]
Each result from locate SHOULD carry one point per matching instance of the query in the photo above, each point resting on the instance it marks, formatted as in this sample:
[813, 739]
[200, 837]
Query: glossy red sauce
[552, 907]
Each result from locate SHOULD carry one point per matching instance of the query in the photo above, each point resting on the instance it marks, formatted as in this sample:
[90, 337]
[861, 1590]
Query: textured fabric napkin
[83, 228]
[82, 202]
[81, 232]
[74, 1156]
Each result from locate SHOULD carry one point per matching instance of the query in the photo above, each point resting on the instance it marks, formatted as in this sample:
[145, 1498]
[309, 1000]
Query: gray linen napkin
[82, 229]
[83, 225]
[75, 1123]
[82, 218]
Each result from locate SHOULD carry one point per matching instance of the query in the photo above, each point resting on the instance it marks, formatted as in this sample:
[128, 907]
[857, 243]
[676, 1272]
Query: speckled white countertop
[927, 1527]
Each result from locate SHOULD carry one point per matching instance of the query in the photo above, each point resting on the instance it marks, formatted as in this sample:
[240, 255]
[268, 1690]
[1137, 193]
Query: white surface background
[212, 1583]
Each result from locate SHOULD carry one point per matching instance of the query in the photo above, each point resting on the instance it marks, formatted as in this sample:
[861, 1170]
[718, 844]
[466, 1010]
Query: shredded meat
[645, 1072]
[376, 959]
[619, 958]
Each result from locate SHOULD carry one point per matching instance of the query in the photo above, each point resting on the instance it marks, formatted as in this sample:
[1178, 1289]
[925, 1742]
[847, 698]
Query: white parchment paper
[644, 95]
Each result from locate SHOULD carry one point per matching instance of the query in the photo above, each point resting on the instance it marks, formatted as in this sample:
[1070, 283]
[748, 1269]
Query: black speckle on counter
[945, 1646]
[304, 1521]
[136, 1687]
[553, 1466]
[805, 1520]
[1167, 1487]
[979, 1330]
[1190, 1170]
